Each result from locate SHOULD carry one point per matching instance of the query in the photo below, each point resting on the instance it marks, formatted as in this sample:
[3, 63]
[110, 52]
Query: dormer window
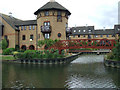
[84, 30]
[46, 13]
[89, 31]
[74, 30]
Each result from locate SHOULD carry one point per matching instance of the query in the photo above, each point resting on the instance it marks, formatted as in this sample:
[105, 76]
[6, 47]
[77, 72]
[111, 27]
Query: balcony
[46, 29]
[68, 31]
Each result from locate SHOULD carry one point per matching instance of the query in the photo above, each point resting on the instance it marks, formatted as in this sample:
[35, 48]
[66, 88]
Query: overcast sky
[100, 13]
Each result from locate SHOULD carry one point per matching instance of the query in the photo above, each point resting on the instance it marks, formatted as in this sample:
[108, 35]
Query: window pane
[21, 27]
[74, 30]
[31, 37]
[25, 27]
[101, 35]
[33, 27]
[47, 36]
[23, 37]
[46, 13]
[29, 27]
[83, 30]
[5, 37]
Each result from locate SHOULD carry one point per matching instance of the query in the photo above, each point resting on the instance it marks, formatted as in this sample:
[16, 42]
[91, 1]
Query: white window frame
[47, 36]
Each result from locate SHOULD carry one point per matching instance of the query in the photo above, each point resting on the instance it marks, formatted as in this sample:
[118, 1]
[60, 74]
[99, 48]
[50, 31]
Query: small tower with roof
[52, 21]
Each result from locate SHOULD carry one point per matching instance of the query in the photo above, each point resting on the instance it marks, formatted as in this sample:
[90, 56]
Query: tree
[47, 42]
[4, 44]
[116, 51]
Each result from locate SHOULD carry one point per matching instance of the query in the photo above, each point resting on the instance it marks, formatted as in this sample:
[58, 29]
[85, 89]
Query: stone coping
[111, 63]
[45, 61]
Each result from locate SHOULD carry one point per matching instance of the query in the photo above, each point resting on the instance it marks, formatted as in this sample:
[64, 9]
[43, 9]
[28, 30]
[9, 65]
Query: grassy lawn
[7, 58]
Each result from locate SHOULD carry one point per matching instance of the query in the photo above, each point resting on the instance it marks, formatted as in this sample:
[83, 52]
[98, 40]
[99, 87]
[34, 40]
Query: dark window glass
[31, 37]
[73, 36]
[46, 13]
[78, 35]
[23, 37]
[89, 36]
[59, 16]
[59, 34]
[101, 35]
[6, 37]
[59, 13]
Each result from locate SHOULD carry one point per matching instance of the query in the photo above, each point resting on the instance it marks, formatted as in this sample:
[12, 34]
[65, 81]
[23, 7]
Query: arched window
[23, 47]
[31, 47]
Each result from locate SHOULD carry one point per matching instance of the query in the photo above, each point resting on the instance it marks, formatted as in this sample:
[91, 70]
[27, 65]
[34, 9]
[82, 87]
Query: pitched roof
[14, 22]
[52, 6]
[28, 22]
[104, 32]
[82, 28]
[10, 20]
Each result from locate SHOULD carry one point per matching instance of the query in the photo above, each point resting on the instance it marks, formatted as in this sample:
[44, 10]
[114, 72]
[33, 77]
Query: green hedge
[8, 51]
[34, 54]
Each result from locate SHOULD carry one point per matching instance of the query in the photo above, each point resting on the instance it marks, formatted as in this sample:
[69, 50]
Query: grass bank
[7, 57]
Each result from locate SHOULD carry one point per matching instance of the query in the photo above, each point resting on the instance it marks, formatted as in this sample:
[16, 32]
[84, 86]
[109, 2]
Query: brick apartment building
[51, 23]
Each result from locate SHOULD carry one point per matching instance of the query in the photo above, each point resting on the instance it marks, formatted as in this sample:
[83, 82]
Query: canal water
[87, 71]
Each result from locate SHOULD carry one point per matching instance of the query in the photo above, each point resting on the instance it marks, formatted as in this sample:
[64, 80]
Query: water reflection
[87, 71]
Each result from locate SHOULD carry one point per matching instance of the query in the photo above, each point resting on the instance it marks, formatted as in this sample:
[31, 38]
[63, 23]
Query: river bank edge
[111, 63]
[67, 59]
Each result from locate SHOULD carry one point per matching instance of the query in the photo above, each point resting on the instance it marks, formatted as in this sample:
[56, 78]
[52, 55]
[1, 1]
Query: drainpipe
[36, 38]
[19, 38]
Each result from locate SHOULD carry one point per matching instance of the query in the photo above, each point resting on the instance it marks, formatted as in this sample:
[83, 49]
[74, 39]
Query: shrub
[8, 51]
[116, 51]
[4, 44]
[33, 54]
[110, 55]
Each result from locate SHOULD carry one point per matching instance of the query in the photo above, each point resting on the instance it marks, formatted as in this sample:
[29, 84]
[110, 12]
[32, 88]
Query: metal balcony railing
[46, 29]
[68, 30]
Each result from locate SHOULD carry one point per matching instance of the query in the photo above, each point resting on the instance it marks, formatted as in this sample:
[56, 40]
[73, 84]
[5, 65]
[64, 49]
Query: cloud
[92, 12]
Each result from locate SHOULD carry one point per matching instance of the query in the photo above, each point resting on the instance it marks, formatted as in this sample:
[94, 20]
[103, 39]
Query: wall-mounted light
[31, 40]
